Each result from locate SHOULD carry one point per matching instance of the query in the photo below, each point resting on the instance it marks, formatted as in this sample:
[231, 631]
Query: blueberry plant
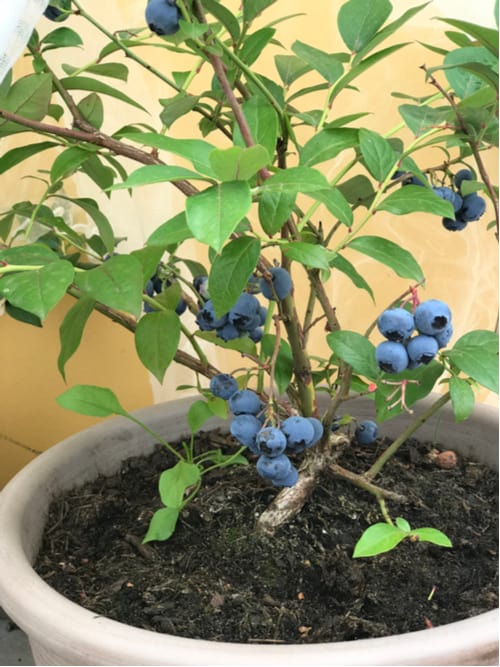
[276, 192]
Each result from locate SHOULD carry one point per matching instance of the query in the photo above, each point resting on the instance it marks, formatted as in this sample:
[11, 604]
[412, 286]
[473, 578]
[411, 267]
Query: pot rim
[91, 632]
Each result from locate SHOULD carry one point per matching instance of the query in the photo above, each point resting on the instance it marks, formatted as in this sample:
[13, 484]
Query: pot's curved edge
[17, 516]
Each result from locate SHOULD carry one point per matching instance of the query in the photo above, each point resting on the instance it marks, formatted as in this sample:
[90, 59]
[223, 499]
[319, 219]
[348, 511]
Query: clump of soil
[216, 579]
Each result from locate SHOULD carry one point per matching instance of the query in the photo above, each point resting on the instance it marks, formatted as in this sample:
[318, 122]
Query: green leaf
[295, 180]
[335, 203]
[149, 257]
[224, 16]
[274, 209]
[342, 264]
[90, 400]
[378, 539]
[462, 398]
[432, 535]
[356, 350]
[32, 255]
[328, 65]
[151, 174]
[254, 44]
[230, 272]
[16, 155]
[176, 107]
[420, 118]
[71, 330]
[62, 37]
[67, 162]
[172, 232]
[284, 360]
[199, 412]
[476, 354]
[238, 164]
[377, 153]
[162, 524]
[29, 97]
[358, 21]
[40, 290]
[262, 121]
[327, 144]
[403, 524]
[290, 68]
[92, 85]
[117, 283]
[102, 223]
[195, 151]
[488, 37]
[308, 254]
[175, 481]
[464, 82]
[357, 190]
[252, 8]
[112, 70]
[157, 337]
[92, 109]
[389, 253]
[363, 66]
[214, 214]
[22, 315]
[243, 344]
[413, 199]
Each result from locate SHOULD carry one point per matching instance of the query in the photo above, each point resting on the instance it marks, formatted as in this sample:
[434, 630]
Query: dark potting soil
[216, 579]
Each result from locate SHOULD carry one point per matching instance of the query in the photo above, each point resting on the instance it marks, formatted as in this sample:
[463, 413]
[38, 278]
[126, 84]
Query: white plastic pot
[63, 633]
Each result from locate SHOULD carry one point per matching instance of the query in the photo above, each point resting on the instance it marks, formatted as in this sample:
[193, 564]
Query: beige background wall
[461, 267]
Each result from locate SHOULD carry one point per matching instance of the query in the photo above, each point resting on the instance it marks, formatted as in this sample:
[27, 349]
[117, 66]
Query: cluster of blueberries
[155, 285]
[247, 316]
[402, 350]
[468, 208]
[270, 443]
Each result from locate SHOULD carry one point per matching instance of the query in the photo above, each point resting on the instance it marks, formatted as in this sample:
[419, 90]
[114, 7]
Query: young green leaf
[162, 524]
[175, 481]
[274, 209]
[92, 401]
[358, 21]
[377, 539]
[71, 330]
[462, 398]
[377, 152]
[199, 412]
[432, 535]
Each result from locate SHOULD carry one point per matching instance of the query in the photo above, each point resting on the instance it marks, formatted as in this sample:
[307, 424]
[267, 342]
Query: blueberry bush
[276, 192]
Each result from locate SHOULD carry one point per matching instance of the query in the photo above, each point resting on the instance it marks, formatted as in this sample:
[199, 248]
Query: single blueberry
[444, 337]
[391, 356]
[422, 349]
[299, 433]
[432, 316]
[461, 176]
[366, 432]
[245, 313]
[245, 401]
[281, 284]
[473, 208]
[396, 324]
[452, 225]
[288, 480]
[245, 428]
[275, 468]
[207, 320]
[223, 385]
[449, 195]
[227, 332]
[256, 334]
[271, 441]
[162, 17]
[318, 429]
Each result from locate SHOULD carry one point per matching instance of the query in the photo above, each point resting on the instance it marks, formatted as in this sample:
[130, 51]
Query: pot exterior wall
[62, 633]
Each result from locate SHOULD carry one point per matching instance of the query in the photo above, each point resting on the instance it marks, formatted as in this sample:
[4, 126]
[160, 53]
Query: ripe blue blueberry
[444, 337]
[299, 433]
[245, 428]
[317, 427]
[453, 225]
[288, 480]
[449, 195]
[391, 356]
[245, 402]
[52, 13]
[414, 180]
[162, 17]
[461, 176]
[200, 283]
[432, 316]
[256, 334]
[366, 432]
[275, 468]
[422, 349]
[281, 284]
[223, 386]
[245, 313]
[227, 332]
[473, 208]
[396, 324]
[207, 320]
[270, 441]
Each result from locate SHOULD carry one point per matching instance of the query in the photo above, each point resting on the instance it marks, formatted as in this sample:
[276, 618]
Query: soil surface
[216, 579]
